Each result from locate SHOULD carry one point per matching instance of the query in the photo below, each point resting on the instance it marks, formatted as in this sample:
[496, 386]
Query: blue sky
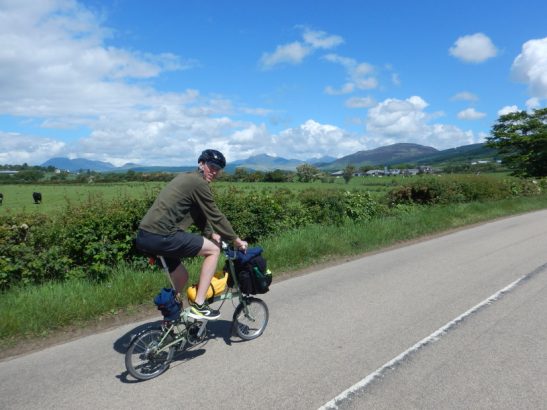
[156, 82]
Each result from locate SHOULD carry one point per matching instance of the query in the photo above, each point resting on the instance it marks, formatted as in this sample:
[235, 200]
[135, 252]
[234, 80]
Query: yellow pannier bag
[217, 286]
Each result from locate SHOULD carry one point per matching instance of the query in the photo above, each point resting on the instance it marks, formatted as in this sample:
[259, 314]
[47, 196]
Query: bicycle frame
[227, 294]
[179, 328]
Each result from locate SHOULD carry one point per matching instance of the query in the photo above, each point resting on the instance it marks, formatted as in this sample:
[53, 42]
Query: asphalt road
[456, 322]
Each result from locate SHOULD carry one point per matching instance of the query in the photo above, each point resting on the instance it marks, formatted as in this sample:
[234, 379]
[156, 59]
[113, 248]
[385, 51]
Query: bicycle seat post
[166, 270]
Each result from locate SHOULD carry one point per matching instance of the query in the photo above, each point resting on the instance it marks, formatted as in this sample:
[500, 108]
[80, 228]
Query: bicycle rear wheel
[251, 318]
[145, 358]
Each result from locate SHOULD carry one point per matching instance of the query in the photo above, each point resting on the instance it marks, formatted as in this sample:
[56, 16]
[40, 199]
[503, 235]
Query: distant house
[410, 171]
[8, 172]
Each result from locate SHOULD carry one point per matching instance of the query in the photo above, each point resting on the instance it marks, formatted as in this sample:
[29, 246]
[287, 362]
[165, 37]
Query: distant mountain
[160, 168]
[388, 155]
[321, 161]
[129, 165]
[264, 162]
[378, 157]
[77, 164]
[465, 153]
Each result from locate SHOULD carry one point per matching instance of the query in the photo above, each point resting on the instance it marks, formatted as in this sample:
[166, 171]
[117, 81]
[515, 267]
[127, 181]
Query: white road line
[433, 337]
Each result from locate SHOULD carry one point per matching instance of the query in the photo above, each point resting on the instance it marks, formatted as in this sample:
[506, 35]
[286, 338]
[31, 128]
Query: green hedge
[446, 189]
[86, 240]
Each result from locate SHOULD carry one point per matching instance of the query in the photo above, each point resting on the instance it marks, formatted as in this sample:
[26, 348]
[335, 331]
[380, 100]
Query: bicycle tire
[250, 319]
[142, 360]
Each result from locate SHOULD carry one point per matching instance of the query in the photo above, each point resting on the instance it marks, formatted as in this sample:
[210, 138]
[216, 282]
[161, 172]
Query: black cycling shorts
[171, 247]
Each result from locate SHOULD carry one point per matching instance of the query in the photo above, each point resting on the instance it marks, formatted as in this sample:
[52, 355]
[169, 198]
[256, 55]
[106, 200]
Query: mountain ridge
[381, 156]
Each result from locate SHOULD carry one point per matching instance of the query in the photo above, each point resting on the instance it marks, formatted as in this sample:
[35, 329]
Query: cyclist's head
[213, 158]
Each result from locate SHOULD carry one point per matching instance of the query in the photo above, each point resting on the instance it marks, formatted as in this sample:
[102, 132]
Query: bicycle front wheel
[250, 318]
[145, 358]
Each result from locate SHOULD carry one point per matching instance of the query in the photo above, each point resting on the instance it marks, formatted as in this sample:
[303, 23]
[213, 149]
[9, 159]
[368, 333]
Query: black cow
[1, 198]
[37, 196]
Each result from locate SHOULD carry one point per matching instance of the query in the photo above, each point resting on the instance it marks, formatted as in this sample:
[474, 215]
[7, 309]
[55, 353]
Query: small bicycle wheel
[250, 318]
[145, 358]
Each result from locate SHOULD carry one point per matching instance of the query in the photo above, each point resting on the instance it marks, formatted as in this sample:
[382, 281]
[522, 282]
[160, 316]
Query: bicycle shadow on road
[122, 343]
[216, 329]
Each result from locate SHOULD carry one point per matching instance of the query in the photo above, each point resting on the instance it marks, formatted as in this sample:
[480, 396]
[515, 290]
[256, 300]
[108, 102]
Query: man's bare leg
[179, 277]
[211, 252]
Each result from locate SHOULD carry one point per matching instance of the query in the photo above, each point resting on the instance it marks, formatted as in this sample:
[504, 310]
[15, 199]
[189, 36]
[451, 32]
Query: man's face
[210, 171]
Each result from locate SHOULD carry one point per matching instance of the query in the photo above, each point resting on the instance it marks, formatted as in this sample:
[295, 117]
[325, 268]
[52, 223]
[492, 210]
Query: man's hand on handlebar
[241, 244]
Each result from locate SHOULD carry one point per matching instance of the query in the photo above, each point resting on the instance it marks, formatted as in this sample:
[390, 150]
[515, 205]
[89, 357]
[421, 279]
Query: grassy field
[18, 198]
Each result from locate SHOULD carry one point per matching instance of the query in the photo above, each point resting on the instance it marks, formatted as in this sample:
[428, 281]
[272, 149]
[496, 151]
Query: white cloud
[359, 75]
[320, 39]
[532, 103]
[63, 74]
[474, 48]
[252, 134]
[297, 51]
[470, 114]
[54, 56]
[313, 139]
[530, 67]
[293, 53]
[360, 102]
[344, 89]
[465, 96]
[17, 148]
[508, 109]
[395, 120]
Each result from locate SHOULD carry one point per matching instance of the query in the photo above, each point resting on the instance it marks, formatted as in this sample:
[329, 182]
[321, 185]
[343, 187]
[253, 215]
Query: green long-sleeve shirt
[184, 201]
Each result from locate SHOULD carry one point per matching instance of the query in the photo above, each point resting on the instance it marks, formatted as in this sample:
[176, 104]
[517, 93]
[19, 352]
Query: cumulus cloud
[530, 67]
[471, 114]
[347, 88]
[465, 96]
[395, 120]
[359, 75]
[58, 65]
[532, 103]
[474, 48]
[293, 53]
[297, 51]
[62, 74]
[313, 139]
[16, 148]
[320, 39]
[360, 102]
[508, 109]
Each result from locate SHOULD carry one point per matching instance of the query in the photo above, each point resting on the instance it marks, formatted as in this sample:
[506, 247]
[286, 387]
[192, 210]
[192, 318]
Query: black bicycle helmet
[214, 157]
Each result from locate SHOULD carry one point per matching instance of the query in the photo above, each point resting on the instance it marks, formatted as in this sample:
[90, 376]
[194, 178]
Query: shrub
[82, 241]
[455, 189]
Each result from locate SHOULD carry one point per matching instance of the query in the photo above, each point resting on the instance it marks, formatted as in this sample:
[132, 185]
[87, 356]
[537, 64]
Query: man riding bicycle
[184, 201]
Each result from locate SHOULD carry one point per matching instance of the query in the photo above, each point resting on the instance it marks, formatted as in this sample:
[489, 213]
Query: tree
[241, 174]
[365, 168]
[306, 172]
[276, 176]
[521, 138]
[349, 170]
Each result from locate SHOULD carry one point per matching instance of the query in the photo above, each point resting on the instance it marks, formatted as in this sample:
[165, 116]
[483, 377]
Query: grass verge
[35, 312]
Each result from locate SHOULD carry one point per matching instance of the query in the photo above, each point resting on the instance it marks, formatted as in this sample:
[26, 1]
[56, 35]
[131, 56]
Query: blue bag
[168, 304]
